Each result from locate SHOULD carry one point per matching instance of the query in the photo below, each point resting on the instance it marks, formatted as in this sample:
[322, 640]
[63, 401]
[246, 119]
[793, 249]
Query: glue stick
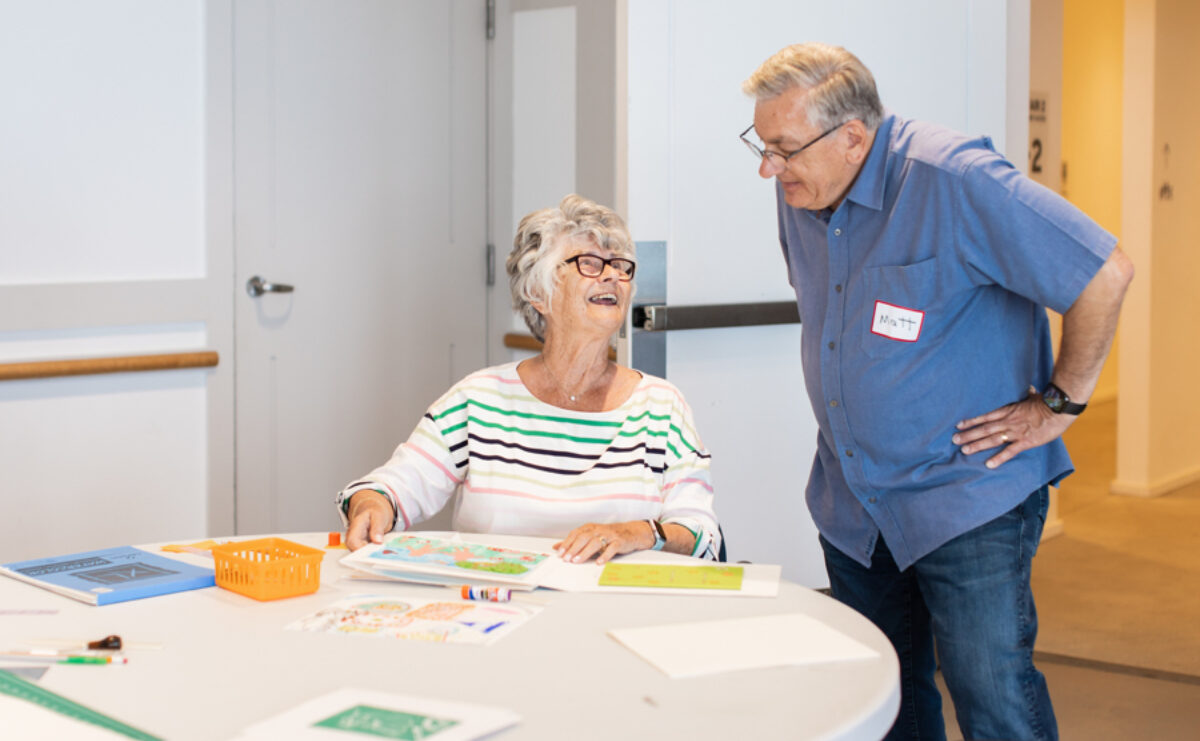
[486, 594]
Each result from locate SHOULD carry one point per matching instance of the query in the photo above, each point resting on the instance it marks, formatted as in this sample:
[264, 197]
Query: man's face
[814, 179]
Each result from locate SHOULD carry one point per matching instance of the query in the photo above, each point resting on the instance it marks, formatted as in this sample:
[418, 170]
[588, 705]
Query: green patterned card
[371, 721]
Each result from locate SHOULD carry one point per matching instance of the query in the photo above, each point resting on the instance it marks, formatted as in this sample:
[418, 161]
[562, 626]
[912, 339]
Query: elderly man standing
[922, 262]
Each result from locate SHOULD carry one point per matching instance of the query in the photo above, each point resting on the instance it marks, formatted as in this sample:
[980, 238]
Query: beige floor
[1118, 596]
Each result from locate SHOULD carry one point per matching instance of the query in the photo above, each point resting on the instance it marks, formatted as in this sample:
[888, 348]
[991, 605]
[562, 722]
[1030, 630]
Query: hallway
[1118, 596]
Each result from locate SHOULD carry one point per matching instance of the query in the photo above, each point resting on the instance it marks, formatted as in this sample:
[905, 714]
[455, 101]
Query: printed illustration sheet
[449, 557]
[358, 715]
[450, 620]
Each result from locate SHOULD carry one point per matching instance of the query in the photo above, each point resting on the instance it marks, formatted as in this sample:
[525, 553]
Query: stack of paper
[430, 559]
[433, 560]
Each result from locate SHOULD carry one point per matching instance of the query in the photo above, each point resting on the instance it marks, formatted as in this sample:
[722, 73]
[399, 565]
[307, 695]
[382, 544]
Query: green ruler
[11, 684]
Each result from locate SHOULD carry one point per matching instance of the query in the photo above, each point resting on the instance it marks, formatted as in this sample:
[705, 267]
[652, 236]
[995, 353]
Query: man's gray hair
[841, 87]
[543, 238]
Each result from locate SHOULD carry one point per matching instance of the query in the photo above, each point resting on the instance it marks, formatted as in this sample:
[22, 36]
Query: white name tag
[897, 322]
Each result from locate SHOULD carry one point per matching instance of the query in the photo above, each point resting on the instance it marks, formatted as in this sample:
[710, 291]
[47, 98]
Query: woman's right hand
[370, 516]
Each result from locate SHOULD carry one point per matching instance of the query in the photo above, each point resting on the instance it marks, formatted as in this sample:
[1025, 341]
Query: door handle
[256, 287]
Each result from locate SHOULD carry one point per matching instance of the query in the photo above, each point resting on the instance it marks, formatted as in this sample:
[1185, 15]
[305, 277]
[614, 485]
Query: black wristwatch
[1059, 402]
[660, 535]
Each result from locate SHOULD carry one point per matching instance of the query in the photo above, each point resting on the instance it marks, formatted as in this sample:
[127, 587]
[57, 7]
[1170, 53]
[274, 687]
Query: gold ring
[603, 542]
[1003, 437]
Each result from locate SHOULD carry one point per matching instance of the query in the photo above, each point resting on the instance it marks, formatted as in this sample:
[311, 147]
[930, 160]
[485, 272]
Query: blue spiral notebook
[110, 575]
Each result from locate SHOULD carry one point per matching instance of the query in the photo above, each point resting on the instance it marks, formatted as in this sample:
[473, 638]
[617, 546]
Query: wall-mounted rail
[117, 364]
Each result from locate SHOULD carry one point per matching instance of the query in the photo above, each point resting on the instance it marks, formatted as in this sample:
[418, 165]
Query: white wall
[103, 141]
[105, 207]
[1046, 80]
[1159, 401]
[692, 184]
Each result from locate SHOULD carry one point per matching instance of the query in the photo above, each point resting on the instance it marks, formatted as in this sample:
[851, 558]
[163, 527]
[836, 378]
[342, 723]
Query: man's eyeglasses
[782, 158]
[592, 266]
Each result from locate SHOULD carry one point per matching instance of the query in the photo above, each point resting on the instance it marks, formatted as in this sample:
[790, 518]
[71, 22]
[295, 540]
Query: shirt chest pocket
[896, 315]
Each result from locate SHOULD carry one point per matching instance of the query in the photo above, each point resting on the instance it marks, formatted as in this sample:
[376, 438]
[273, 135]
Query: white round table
[226, 662]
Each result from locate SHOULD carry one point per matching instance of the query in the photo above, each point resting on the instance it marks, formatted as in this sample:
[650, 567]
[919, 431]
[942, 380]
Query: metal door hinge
[491, 22]
[491, 264]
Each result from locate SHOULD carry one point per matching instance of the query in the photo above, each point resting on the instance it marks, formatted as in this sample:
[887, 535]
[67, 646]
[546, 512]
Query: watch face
[1054, 398]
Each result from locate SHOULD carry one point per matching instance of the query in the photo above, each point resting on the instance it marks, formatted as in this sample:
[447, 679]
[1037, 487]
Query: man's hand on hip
[1017, 427]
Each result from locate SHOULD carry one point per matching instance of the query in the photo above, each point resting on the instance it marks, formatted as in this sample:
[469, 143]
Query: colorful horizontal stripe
[521, 466]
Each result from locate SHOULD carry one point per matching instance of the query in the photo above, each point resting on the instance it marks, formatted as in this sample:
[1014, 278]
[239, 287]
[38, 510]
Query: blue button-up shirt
[922, 300]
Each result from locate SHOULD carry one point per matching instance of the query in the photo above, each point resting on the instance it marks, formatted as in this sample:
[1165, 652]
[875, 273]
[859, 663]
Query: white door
[360, 157]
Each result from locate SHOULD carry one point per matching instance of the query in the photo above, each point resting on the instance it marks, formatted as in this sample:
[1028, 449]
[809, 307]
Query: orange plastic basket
[268, 568]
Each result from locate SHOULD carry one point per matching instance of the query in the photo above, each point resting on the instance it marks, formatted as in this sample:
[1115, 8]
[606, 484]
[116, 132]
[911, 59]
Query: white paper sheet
[713, 647]
[758, 579]
[356, 715]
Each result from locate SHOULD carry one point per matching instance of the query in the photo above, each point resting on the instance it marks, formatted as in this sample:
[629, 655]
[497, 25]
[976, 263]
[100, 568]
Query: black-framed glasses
[782, 158]
[592, 266]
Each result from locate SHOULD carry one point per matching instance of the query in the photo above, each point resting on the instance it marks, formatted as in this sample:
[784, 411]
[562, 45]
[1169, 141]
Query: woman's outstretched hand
[369, 516]
[604, 541]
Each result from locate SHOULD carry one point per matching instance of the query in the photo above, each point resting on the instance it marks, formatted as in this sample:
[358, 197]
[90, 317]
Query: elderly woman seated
[567, 444]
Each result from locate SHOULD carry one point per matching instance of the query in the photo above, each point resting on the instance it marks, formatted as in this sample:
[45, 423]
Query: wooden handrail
[120, 364]
[516, 341]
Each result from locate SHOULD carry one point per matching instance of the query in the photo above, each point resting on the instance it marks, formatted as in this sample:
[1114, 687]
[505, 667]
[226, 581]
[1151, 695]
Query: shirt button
[838, 288]
[832, 345]
[871, 500]
[833, 403]
[837, 232]
[849, 453]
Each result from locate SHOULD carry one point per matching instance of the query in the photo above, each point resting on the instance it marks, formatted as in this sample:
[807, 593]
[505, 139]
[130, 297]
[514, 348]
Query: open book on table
[520, 562]
[428, 559]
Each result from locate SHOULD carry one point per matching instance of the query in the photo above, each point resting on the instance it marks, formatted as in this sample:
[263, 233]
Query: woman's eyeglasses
[592, 266]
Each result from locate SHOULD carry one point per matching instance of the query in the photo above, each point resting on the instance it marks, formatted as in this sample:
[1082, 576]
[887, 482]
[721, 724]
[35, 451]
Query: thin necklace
[571, 397]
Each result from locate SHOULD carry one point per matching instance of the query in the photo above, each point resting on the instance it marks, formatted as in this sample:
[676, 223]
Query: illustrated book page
[454, 560]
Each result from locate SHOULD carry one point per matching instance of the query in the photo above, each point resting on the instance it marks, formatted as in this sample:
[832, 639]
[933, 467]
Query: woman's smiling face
[591, 306]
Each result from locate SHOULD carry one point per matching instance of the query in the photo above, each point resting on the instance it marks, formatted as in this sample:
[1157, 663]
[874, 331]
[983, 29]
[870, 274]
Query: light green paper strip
[671, 576]
[12, 685]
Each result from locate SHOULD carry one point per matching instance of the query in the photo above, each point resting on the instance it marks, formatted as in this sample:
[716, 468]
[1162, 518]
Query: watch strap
[660, 535]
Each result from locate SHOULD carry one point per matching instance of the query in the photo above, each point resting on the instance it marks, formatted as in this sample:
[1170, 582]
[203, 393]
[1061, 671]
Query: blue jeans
[972, 597]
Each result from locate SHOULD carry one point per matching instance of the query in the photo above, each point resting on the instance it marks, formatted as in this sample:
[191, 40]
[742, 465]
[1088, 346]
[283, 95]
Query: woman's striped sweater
[525, 467]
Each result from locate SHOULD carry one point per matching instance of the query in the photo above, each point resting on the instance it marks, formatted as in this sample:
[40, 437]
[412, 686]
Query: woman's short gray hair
[841, 87]
[543, 237]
